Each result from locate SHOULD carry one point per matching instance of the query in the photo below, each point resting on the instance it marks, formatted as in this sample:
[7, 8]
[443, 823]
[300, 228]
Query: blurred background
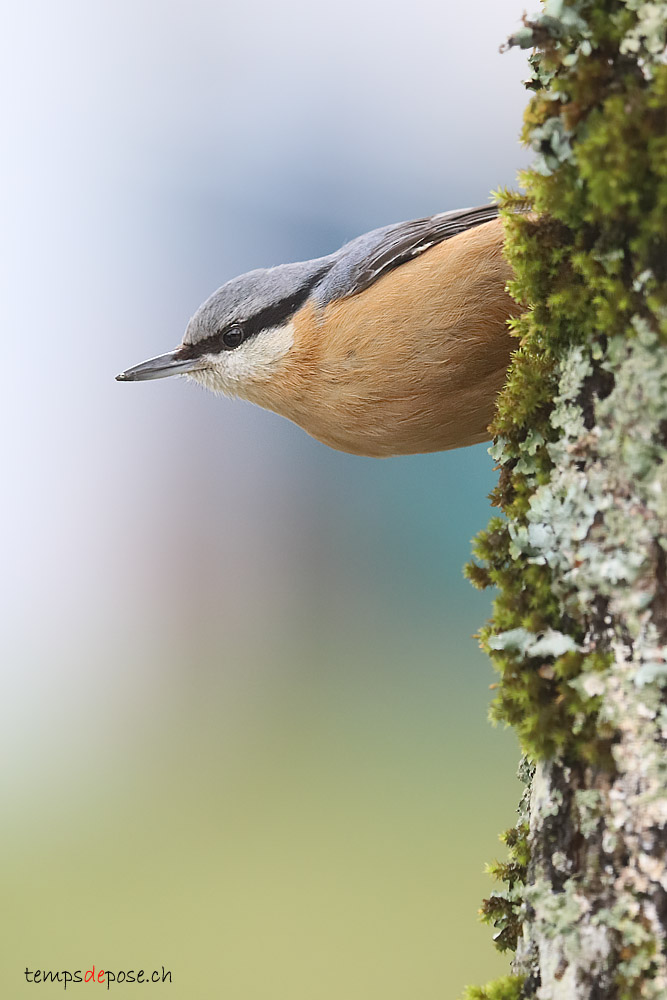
[244, 717]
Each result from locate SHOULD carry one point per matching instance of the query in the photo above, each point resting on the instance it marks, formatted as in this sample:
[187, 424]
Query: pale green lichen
[549, 643]
[647, 38]
[588, 802]
[559, 910]
[574, 523]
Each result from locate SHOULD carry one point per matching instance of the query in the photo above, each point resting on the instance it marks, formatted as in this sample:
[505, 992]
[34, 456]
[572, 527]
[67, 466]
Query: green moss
[505, 988]
[502, 908]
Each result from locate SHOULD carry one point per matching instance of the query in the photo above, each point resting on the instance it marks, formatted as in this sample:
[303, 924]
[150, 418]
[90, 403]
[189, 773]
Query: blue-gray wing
[360, 263]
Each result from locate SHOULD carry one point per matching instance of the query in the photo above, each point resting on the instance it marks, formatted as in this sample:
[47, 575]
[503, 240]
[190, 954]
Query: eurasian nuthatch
[397, 343]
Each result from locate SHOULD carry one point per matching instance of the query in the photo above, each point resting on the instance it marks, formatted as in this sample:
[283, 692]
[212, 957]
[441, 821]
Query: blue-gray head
[241, 331]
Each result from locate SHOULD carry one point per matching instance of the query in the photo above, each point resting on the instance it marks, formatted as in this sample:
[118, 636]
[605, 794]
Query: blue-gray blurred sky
[184, 575]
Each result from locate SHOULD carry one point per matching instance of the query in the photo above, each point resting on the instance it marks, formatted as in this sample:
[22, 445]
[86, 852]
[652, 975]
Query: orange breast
[411, 364]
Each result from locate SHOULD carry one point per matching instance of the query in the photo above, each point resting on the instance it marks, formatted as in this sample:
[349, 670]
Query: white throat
[236, 372]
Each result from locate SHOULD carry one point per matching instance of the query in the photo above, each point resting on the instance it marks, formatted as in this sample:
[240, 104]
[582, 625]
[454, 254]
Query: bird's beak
[160, 367]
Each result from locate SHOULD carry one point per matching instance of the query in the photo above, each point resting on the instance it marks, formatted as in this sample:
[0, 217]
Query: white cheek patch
[254, 361]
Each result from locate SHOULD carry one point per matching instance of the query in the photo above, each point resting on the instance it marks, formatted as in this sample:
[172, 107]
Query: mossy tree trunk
[579, 557]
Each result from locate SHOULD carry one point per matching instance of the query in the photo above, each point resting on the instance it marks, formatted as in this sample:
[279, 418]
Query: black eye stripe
[276, 314]
[216, 344]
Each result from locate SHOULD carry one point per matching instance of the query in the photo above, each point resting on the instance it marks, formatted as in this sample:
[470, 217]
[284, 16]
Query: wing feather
[360, 263]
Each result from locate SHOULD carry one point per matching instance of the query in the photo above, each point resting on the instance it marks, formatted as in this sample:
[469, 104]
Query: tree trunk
[579, 632]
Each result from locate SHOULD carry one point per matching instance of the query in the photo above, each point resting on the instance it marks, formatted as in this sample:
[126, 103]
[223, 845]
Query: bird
[395, 344]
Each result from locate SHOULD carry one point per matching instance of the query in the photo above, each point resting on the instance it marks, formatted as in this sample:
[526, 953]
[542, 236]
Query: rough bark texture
[579, 633]
[595, 896]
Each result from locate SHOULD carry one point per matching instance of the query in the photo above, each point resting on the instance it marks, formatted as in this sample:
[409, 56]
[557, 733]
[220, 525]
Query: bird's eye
[233, 337]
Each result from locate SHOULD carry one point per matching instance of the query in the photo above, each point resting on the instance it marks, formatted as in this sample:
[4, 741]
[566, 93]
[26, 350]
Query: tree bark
[579, 632]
